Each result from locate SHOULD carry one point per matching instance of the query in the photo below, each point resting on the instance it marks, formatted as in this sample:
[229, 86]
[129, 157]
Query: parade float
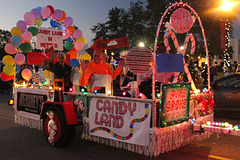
[177, 114]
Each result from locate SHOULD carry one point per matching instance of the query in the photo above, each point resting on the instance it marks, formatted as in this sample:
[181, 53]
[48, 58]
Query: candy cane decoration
[174, 38]
[191, 37]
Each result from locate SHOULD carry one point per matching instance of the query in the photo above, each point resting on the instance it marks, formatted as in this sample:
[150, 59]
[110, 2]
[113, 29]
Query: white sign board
[47, 37]
[120, 120]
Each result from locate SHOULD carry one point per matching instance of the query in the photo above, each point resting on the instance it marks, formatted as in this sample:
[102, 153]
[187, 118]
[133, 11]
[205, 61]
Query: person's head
[61, 58]
[105, 57]
[97, 57]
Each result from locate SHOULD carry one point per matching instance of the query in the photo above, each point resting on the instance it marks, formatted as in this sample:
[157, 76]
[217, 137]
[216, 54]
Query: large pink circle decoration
[22, 25]
[57, 14]
[10, 49]
[68, 21]
[28, 17]
[27, 36]
[19, 59]
[35, 13]
[26, 74]
[78, 45]
[45, 12]
[181, 20]
[65, 35]
[77, 34]
[139, 60]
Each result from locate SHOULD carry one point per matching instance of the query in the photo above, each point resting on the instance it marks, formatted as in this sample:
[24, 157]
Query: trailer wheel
[55, 128]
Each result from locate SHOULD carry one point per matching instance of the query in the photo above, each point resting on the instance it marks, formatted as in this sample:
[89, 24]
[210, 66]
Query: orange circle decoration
[181, 20]
[73, 54]
[71, 29]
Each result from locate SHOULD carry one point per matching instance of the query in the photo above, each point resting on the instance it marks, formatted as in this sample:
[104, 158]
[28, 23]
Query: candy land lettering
[111, 113]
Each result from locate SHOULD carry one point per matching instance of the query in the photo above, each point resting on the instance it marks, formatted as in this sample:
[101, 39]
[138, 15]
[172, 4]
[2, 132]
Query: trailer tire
[55, 128]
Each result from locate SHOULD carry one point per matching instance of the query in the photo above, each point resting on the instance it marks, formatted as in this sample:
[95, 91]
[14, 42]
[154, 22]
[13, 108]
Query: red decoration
[181, 20]
[6, 77]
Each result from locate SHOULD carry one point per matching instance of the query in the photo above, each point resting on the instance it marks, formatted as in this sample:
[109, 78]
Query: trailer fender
[68, 108]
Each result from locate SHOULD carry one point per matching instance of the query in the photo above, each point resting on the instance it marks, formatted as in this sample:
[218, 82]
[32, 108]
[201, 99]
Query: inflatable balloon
[63, 16]
[9, 69]
[26, 74]
[25, 47]
[71, 29]
[19, 59]
[85, 57]
[77, 34]
[54, 23]
[16, 41]
[33, 30]
[45, 12]
[68, 45]
[81, 40]
[57, 14]
[27, 36]
[35, 12]
[28, 17]
[78, 45]
[74, 63]
[51, 9]
[65, 35]
[6, 77]
[47, 74]
[68, 21]
[39, 9]
[39, 22]
[73, 54]
[8, 60]
[22, 25]
[15, 31]
[10, 49]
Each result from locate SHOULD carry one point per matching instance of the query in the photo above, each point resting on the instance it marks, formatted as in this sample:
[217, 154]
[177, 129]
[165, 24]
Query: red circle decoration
[139, 59]
[181, 20]
[6, 77]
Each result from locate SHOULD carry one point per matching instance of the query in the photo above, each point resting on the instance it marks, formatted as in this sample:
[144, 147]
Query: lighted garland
[25, 30]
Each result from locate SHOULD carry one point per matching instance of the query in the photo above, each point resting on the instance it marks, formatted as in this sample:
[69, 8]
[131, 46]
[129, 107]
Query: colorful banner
[48, 37]
[175, 103]
[125, 121]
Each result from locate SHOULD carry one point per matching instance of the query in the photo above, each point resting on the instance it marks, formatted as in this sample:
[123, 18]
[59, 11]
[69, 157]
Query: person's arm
[83, 80]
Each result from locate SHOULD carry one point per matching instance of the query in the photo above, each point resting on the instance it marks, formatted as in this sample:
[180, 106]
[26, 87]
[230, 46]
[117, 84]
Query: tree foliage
[141, 20]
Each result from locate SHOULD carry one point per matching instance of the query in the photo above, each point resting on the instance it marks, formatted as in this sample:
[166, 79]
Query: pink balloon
[57, 14]
[45, 12]
[10, 49]
[78, 45]
[65, 35]
[68, 21]
[35, 13]
[22, 25]
[26, 74]
[19, 59]
[27, 36]
[28, 17]
[77, 34]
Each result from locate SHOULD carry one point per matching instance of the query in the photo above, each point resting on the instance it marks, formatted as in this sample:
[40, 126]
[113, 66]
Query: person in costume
[60, 70]
[98, 66]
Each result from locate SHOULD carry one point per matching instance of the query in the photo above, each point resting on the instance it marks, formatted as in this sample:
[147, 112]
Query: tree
[4, 36]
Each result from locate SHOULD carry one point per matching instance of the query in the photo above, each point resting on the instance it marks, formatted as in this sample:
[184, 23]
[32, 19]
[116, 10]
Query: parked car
[227, 96]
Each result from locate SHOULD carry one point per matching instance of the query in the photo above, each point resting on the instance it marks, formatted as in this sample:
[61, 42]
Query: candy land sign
[175, 106]
[47, 37]
[124, 121]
